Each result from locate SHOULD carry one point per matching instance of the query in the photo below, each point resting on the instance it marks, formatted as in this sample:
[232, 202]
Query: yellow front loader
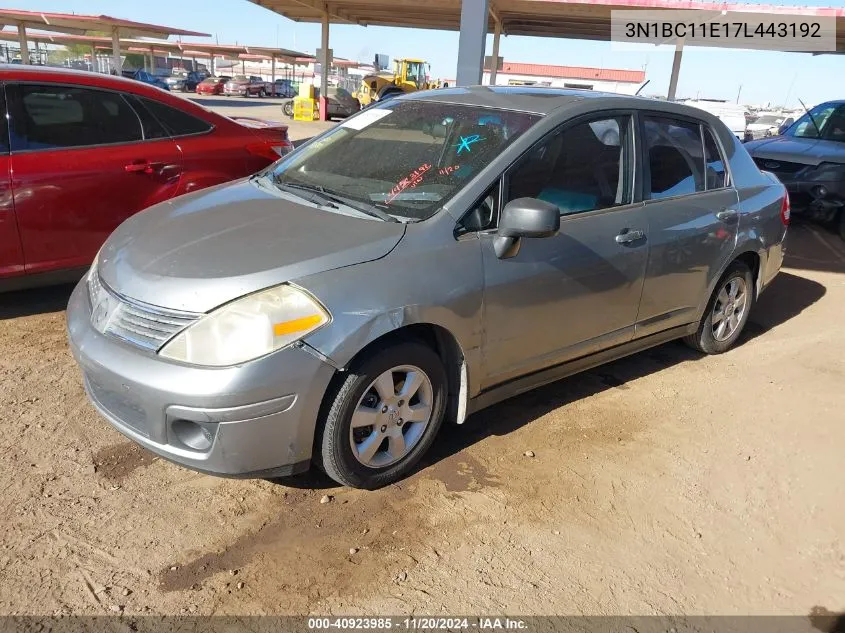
[409, 75]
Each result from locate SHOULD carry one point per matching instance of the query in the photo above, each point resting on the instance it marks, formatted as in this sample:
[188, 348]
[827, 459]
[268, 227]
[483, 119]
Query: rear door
[82, 162]
[210, 155]
[11, 253]
[692, 211]
[577, 292]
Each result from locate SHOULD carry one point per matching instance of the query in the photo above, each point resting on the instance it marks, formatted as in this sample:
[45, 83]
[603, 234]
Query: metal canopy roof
[576, 19]
[178, 48]
[81, 24]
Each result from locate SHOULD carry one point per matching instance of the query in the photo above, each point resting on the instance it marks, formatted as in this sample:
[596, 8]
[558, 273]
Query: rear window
[53, 116]
[175, 121]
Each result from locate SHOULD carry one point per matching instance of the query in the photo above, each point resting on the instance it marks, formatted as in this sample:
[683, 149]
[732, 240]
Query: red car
[80, 152]
[212, 85]
[243, 86]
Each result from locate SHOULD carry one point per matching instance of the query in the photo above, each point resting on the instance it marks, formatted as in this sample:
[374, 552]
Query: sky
[759, 77]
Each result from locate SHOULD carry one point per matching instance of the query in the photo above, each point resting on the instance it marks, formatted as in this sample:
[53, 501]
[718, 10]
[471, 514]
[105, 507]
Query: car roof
[544, 100]
[53, 73]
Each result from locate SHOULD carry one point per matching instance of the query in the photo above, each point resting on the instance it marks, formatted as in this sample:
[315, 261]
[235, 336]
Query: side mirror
[525, 217]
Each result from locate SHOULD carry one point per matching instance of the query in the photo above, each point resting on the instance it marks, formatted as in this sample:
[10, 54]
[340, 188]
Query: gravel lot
[664, 483]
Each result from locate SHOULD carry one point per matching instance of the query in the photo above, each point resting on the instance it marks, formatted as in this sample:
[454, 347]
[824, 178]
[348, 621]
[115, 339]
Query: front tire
[727, 311]
[842, 224]
[287, 108]
[382, 417]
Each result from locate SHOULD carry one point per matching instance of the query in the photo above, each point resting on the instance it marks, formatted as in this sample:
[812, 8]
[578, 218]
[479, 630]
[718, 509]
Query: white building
[585, 78]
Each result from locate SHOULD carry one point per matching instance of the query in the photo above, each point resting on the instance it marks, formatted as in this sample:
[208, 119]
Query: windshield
[240, 78]
[805, 128]
[770, 120]
[416, 73]
[405, 157]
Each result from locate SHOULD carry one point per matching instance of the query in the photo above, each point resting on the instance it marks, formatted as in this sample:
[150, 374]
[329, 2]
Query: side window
[149, 124]
[176, 122]
[674, 157]
[483, 215]
[54, 116]
[716, 177]
[582, 168]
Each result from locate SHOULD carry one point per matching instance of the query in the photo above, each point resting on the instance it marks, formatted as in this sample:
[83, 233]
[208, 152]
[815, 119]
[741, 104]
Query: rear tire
[402, 391]
[262, 93]
[287, 108]
[726, 313]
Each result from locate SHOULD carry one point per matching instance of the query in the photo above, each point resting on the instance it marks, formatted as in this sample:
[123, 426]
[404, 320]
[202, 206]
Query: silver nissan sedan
[426, 258]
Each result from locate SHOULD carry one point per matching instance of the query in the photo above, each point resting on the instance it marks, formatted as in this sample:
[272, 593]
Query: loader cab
[411, 71]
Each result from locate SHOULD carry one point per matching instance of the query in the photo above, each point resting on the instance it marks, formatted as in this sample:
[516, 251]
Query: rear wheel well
[752, 260]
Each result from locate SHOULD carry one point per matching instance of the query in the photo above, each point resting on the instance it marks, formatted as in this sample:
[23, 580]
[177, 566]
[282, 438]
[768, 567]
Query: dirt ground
[665, 483]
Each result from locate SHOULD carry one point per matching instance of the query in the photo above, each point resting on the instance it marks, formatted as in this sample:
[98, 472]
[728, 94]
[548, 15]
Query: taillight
[271, 150]
[785, 208]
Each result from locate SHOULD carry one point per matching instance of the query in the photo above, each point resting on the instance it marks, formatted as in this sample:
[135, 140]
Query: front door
[692, 214]
[572, 294]
[83, 160]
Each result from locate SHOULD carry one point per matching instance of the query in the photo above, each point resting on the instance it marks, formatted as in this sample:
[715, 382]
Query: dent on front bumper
[252, 420]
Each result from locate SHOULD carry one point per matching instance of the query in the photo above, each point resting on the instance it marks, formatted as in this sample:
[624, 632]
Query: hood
[199, 251]
[238, 82]
[809, 151]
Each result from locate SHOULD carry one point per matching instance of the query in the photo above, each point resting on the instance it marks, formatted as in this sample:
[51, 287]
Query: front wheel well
[436, 337]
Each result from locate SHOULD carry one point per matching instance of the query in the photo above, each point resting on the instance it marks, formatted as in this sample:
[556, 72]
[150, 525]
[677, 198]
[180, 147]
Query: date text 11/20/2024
[418, 623]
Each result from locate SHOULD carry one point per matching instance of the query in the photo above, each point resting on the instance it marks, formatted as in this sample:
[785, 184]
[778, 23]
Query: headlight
[248, 328]
[93, 278]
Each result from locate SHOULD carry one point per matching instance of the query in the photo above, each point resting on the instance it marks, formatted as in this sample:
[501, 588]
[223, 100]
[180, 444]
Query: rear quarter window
[175, 121]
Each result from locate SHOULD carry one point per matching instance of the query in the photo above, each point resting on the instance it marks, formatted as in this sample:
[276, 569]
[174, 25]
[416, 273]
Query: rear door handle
[627, 236]
[142, 166]
[727, 215]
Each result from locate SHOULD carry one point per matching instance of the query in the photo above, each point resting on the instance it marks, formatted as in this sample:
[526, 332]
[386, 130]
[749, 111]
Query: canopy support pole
[24, 43]
[676, 69]
[324, 69]
[117, 63]
[494, 62]
[471, 42]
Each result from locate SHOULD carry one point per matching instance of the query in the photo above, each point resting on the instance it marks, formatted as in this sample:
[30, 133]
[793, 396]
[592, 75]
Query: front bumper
[253, 420]
[817, 199]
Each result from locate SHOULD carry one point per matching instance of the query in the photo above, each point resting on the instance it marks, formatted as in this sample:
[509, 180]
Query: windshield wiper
[307, 192]
[319, 192]
[815, 125]
[363, 207]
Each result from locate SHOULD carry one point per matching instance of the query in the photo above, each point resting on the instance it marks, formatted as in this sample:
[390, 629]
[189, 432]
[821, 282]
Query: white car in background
[767, 124]
[731, 114]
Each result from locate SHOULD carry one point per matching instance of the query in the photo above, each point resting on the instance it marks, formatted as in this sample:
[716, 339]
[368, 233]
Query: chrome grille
[141, 324]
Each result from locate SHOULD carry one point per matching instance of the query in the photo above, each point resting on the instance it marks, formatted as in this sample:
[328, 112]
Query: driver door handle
[627, 236]
[727, 215]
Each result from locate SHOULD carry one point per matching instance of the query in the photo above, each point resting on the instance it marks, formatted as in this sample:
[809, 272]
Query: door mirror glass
[525, 217]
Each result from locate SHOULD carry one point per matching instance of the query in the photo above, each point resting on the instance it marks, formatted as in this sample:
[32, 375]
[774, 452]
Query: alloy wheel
[391, 417]
[729, 309]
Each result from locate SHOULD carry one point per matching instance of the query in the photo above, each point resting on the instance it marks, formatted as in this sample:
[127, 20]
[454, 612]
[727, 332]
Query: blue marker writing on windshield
[466, 141]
